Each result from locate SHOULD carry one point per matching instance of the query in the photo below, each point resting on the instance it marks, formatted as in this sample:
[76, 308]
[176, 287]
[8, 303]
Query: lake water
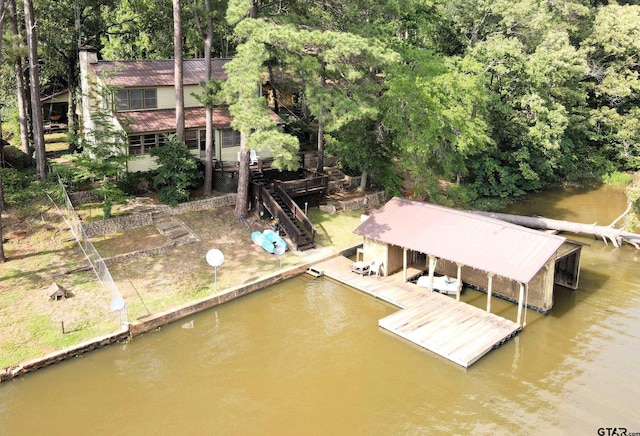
[307, 357]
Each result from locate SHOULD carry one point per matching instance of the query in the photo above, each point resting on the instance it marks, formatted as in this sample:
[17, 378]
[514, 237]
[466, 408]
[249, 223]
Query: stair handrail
[321, 178]
[298, 214]
[294, 233]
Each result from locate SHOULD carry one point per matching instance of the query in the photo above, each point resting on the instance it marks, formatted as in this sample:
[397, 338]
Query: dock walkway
[455, 330]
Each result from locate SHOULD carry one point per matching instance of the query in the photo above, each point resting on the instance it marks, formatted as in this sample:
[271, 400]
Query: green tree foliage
[250, 114]
[137, 29]
[63, 27]
[103, 146]
[613, 50]
[177, 171]
[434, 113]
[505, 96]
[103, 157]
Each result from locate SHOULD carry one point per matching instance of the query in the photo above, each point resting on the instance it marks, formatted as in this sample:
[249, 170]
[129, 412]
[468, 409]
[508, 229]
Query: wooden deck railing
[313, 182]
[294, 233]
[298, 214]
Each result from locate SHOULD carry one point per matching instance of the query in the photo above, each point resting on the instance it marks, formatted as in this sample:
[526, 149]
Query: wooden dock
[455, 330]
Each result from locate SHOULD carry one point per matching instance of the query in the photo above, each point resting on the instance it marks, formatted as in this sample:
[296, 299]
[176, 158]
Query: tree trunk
[363, 181]
[21, 87]
[177, 59]
[36, 105]
[606, 233]
[2, 259]
[208, 165]
[320, 166]
[242, 198]
[73, 73]
[274, 93]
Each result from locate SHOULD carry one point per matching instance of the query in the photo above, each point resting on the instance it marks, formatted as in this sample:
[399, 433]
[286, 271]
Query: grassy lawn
[336, 230]
[40, 249]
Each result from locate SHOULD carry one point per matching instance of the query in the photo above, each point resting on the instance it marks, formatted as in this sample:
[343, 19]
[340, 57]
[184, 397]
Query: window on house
[142, 144]
[191, 139]
[135, 145]
[230, 138]
[134, 99]
[196, 139]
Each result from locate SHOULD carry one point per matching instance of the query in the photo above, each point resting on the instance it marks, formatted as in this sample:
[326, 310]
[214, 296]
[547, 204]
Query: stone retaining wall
[347, 183]
[138, 254]
[118, 224]
[370, 200]
[205, 204]
[83, 197]
[130, 222]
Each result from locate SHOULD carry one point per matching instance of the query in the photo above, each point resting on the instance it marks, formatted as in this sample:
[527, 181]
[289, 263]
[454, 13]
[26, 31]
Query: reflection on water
[307, 357]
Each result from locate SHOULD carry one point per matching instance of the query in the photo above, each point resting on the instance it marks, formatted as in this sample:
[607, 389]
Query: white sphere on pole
[215, 258]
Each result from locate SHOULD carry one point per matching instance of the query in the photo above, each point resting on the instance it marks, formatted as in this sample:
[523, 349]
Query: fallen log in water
[606, 233]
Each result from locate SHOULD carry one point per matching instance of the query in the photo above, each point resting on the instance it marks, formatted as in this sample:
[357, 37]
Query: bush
[134, 183]
[21, 188]
[71, 177]
[176, 173]
[617, 178]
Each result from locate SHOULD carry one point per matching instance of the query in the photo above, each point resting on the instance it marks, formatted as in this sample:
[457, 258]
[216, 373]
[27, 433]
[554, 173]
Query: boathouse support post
[489, 291]
[459, 288]
[432, 270]
[404, 264]
[520, 301]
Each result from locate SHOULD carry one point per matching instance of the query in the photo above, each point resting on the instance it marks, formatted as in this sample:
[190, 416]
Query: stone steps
[173, 229]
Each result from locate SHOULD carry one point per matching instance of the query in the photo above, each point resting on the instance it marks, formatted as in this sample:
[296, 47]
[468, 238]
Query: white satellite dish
[215, 258]
[279, 250]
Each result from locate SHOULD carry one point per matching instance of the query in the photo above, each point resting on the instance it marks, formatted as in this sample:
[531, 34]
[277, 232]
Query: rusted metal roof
[164, 120]
[150, 73]
[487, 244]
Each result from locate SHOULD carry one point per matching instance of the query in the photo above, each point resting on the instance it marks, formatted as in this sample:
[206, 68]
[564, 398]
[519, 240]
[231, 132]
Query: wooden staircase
[291, 220]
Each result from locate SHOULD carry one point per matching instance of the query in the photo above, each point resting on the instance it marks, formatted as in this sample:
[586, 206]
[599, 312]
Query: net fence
[97, 263]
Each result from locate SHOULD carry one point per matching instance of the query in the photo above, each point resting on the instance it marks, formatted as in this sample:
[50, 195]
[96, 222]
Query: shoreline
[156, 321]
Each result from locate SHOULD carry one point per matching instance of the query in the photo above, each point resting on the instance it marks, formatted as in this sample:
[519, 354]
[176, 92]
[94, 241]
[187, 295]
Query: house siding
[167, 97]
[149, 163]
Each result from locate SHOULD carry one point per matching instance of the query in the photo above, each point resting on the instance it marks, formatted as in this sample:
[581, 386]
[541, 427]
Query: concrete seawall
[154, 321]
[175, 314]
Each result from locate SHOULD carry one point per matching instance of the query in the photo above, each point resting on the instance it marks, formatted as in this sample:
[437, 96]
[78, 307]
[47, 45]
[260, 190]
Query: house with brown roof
[510, 261]
[143, 106]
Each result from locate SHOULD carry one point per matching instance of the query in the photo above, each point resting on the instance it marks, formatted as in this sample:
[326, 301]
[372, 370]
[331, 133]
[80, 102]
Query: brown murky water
[307, 357]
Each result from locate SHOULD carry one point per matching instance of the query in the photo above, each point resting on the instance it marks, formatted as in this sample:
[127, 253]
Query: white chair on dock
[374, 267]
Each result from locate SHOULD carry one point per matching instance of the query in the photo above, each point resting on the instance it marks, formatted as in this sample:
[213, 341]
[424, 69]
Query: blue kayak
[262, 241]
[275, 238]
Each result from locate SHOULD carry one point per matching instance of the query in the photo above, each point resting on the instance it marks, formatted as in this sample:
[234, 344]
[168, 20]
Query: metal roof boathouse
[501, 258]
[411, 238]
